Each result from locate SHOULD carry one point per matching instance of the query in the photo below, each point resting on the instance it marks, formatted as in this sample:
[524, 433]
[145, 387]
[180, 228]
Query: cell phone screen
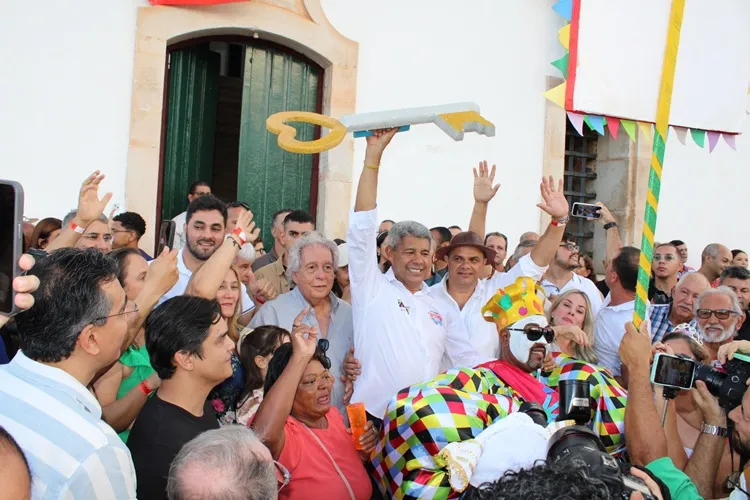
[586, 210]
[9, 236]
[673, 371]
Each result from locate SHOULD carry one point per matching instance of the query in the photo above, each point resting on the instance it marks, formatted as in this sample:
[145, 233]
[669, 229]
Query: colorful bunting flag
[596, 123]
[557, 95]
[645, 128]
[564, 36]
[192, 2]
[562, 65]
[576, 120]
[564, 8]
[729, 139]
[713, 139]
[629, 127]
[681, 133]
[699, 137]
[613, 124]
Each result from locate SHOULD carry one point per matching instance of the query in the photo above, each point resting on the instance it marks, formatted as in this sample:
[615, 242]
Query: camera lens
[575, 401]
[711, 377]
[535, 411]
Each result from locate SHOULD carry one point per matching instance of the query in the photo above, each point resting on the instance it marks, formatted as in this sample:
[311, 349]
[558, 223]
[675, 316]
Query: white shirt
[399, 336]
[179, 231]
[184, 278]
[736, 493]
[577, 283]
[483, 335]
[609, 328]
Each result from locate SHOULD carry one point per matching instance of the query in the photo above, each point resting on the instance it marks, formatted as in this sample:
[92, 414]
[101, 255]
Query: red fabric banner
[192, 2]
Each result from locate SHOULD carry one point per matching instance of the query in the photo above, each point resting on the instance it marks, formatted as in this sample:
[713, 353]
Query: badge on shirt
[436, 318]
[403, 307]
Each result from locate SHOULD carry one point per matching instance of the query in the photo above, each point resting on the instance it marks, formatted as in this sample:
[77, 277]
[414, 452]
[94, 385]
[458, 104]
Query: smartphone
[11, 241]
[586, 211]
[673, 371]
[166, 235]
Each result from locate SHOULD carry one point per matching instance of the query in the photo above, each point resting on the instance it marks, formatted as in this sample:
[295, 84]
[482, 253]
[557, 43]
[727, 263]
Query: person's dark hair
[736, 272]
[206, 204]
[260, 342]
[69, 298]
[281, 358]
[378, 243]
[132, 221]
[181, 324]
[197, 184]
[7, 440]
[588, 263]
[43, 229]
[298, 216]
[339, 241]
[120, 256]
[626, 267]
[735, 252]
[495, 233]
[445, 234]
[677, 243]
[275, 219]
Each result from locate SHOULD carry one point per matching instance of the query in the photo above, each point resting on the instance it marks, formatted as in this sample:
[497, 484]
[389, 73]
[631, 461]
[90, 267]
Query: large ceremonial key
[453, 119]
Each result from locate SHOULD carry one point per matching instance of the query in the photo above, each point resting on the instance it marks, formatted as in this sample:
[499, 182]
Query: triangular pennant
[681, 133]
[713, 139]
[729, 139]
[564, 8]
[564, 36]
[613, 124]
[629, 127]
[557, 95]
[645, 128]
[562, 65]
[577, 120]
[596, 123]
[699, 137]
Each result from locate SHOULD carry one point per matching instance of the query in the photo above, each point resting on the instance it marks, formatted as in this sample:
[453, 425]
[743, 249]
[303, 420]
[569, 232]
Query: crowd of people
[215, 370]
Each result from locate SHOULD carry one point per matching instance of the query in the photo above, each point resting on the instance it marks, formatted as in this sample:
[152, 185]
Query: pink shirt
[312, 472]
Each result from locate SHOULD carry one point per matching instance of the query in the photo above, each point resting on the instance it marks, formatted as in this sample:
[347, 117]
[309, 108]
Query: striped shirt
[72, 453]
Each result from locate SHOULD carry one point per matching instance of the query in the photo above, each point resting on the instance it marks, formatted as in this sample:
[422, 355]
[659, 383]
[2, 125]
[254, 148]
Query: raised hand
[554, 202]
[484, 191]
[162, 273]
[90, 206]
[605, 216]
[245, 222]
[708, 405]
[263, 290]
[727, 351]
[24, 286]
[635, 348]
[304, 337]
[376, 144]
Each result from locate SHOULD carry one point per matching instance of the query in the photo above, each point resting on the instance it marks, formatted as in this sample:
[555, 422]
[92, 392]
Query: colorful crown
[519, 300]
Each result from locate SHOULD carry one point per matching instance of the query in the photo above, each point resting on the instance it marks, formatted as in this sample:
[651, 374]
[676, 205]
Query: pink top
[312, 472]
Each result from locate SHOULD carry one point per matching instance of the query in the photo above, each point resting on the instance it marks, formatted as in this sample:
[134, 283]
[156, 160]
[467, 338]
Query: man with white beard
[719, 316]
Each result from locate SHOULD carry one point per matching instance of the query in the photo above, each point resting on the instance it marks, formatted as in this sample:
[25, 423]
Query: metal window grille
[580, 173]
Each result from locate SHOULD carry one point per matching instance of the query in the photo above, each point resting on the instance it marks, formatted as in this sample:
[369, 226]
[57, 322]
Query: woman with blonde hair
[571, 318]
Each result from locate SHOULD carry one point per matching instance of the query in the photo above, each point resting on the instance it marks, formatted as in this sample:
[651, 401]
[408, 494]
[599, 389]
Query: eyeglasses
[129, 309]
[236, 204]
[668, 257]
[569, 246]
[534, 333]
[282, 475]
[719, 313]
[93, 237]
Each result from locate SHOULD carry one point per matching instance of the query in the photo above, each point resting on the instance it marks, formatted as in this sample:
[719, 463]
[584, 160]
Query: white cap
[343, 255]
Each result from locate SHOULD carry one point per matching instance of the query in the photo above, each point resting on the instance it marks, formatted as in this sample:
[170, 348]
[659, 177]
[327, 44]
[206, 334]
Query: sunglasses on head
[534, 333]
[719, 313]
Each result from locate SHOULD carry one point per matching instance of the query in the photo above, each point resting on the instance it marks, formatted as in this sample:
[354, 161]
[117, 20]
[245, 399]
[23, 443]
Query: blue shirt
[57, 423]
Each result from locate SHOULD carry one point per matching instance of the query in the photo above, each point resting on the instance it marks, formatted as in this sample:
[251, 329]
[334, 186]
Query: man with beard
[206, 218]
[458, 405]
[719, 316]
[561, 278]
[664, 317]
[738, 279]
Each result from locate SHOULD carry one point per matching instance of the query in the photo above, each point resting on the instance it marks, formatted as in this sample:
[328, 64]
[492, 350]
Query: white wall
[65, 97]
[416, 53]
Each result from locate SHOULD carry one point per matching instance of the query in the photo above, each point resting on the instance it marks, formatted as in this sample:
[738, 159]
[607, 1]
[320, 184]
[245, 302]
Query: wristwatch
[610, 225]
[714, 430]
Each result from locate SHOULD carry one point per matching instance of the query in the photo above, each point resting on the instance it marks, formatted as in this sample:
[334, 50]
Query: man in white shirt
[462, 293]
[197, 189]
[561, 278]
[400, 330]
[609, 327]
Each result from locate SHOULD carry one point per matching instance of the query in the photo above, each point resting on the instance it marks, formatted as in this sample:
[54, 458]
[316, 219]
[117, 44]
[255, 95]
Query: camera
[680, 372]
[578, 447]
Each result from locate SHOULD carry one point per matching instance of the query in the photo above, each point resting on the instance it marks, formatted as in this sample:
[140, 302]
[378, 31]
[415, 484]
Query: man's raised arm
[484, 191]
[367, 189]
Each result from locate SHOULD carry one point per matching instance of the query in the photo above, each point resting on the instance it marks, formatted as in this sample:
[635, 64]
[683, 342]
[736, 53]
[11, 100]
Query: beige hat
[343, 255]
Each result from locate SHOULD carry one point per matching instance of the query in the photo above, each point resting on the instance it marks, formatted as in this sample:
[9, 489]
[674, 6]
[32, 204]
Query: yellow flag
[557, 95]
[564, 36]
[645, 128]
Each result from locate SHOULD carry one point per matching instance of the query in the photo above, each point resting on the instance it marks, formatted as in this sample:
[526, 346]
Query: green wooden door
[191, 124]
[269, 178]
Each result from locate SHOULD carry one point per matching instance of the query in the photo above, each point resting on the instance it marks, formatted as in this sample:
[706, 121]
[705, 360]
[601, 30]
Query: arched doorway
[220, 91]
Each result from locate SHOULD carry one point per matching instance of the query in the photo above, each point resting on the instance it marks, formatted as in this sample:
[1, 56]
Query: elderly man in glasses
[461, 403]
[98, 235]
[719, 315]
